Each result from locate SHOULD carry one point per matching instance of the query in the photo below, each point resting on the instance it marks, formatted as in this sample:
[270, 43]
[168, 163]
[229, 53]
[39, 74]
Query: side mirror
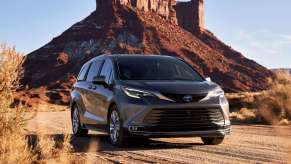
[208, 79]
[99, 80]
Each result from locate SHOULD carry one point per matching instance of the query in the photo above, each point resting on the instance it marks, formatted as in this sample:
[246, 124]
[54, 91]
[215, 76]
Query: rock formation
[161, 27]
[189, 15]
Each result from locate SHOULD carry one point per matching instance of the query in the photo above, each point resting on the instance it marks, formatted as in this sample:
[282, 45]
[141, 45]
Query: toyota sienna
[147, 96]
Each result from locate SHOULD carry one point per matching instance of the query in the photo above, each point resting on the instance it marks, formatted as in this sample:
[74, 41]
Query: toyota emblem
[188, 98]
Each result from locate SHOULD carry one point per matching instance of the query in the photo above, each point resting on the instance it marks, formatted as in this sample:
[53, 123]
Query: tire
[77, 128]
[212, 140]
[116, 132]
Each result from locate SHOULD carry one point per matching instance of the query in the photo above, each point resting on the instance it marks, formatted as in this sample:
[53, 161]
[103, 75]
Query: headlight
[215, 93]
[136, 93]
[223, 100]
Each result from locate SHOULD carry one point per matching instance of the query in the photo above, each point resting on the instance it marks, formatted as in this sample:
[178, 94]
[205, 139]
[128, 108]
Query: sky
[260, 29]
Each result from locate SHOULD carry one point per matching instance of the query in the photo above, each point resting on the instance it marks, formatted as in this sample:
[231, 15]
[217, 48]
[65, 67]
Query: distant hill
[282, 69]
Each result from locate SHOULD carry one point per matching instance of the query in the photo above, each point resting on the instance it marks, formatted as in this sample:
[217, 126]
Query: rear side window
[94, 70]
[107, 71]
[82, 74]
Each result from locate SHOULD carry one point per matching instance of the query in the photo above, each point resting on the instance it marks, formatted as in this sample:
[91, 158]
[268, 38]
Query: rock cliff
[162, 27]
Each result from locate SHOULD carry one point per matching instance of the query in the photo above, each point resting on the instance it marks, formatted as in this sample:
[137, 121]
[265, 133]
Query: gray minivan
[147, 96]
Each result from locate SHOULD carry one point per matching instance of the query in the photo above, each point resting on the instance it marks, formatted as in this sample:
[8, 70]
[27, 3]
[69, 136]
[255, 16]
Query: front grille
[180, 97]
[195, 119]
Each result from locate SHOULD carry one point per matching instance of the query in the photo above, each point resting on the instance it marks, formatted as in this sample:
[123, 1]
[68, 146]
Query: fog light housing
[133, 128]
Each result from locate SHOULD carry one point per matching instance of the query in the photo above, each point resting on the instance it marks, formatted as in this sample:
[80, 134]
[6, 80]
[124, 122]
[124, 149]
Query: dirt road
[246, 144]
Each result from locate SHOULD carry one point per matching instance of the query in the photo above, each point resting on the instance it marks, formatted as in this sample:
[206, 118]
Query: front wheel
[115, 129]
[212, 140]
[76, 123]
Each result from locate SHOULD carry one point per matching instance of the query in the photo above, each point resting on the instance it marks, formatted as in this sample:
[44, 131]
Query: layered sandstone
[189, 15]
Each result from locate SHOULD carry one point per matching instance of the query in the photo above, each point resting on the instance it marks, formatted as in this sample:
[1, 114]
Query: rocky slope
[141, 27]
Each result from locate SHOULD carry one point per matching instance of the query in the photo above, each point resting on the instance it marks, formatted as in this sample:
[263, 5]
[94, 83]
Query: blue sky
[260, 29]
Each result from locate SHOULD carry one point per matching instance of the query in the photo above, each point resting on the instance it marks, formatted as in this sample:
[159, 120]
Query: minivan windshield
[155, 68]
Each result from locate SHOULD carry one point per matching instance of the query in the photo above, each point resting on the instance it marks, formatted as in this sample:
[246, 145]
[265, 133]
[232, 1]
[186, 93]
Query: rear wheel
[78, 130]
[116, 131]
[212, 140]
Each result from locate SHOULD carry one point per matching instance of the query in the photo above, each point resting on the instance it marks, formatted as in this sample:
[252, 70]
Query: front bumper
[137, 122]
[221, 132]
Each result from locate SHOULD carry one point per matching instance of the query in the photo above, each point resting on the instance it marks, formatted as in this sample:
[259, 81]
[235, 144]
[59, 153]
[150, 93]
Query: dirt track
[247, 144]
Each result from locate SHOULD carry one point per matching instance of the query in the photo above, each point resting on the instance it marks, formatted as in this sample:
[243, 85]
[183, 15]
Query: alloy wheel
[114, 126]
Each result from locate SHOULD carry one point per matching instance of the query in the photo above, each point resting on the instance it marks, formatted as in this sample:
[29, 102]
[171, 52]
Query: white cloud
[271, 49]
[286, 37]
[266, 41]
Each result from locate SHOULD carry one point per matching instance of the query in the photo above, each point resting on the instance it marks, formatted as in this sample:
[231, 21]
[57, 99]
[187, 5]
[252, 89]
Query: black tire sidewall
[81, 131]
[212, 140]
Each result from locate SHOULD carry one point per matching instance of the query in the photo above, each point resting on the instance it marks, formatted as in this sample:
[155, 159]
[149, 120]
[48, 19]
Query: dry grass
[275, 104]
[272, 106]
[14, 147]
[245, 115]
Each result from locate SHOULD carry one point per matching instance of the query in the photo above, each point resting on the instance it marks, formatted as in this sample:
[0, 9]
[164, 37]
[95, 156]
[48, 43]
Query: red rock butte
[164, 27]
[189, 15]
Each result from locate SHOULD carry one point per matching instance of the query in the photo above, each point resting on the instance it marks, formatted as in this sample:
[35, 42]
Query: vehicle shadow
[94, 142]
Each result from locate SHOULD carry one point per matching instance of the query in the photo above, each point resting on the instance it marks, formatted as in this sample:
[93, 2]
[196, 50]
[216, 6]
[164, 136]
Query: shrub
[272, 106]
[275, 104]
[245, 115]
[14, 145]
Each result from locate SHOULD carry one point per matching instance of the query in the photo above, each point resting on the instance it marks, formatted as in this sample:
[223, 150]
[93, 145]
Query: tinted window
[155, 69]
[94, 70]
[82, 74]
[106, 70]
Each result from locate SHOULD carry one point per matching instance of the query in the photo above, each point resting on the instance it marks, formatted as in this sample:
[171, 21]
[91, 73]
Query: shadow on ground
[94, 142]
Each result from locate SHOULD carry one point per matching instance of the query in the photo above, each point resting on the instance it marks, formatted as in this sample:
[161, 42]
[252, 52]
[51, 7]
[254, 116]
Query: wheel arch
[76, 99]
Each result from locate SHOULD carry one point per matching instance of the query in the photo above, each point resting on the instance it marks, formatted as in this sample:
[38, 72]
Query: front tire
[78, 130]
[116, 131]
[212, 140]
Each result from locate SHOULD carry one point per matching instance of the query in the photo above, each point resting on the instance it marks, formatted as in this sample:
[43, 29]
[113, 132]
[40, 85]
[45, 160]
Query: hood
[172, 87]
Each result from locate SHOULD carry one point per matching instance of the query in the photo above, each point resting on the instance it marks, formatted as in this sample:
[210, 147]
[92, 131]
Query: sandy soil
[246, 144]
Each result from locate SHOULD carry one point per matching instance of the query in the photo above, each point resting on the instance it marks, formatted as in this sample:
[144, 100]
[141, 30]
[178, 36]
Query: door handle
[92, 87]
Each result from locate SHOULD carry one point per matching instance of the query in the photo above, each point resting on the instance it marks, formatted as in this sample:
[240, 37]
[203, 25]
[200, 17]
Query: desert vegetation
[16, 146]
[272, 106]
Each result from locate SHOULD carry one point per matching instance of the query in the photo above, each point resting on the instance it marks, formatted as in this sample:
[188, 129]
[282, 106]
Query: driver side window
[94, 70]
[107, 71]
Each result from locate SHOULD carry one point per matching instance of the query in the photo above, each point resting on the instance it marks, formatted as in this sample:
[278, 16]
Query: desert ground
[246, 144]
